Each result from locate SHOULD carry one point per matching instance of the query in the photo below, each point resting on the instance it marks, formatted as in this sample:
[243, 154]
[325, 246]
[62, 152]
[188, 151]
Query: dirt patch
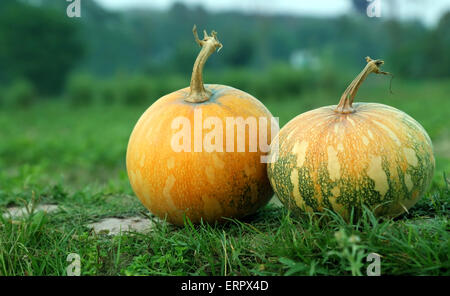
[20, 212]
[114, 226]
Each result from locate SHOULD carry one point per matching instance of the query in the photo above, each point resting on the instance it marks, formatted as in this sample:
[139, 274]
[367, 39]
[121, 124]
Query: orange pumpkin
[346, 156]
[200, 178]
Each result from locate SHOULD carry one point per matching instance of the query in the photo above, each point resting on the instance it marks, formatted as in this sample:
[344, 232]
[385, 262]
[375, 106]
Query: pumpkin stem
[345, 104]
[209, 44]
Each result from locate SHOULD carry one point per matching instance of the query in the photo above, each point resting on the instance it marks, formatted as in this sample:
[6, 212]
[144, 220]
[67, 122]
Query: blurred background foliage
[82, 57]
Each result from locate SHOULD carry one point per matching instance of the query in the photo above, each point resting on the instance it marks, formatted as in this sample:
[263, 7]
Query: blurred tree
[37, 44]
[437, 49]
[360, 6]
[179, 11]
[241, 53]
[183, 57]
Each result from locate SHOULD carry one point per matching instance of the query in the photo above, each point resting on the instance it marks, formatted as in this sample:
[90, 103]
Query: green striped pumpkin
[346, 156]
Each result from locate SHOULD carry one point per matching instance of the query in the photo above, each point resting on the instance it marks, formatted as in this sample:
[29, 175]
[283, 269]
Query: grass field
[74, 157]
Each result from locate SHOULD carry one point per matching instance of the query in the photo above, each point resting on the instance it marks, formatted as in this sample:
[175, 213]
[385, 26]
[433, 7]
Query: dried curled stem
[347, 98]
[209, 45]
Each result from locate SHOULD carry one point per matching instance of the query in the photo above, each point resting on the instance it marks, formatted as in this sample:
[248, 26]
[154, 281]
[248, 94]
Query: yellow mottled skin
[376, 147]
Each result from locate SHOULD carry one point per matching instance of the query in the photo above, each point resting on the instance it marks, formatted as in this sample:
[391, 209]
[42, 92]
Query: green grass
[75, 157]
